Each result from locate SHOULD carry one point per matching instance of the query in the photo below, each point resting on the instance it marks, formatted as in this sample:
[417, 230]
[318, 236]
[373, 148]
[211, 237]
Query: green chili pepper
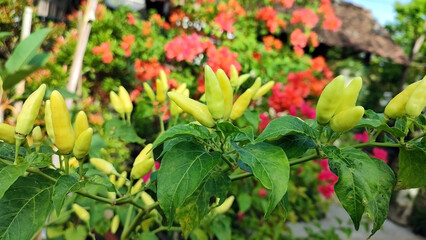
[350, 95]
[228, 95]
[396, 106]
[241, 104]
[7, 133]
[214, 94]
[417, 101]
[347, 119]
[330, 99]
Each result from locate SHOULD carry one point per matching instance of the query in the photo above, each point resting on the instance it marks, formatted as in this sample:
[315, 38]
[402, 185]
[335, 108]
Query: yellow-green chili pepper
[161, 96]
[163, 78]
[116, 103]
[225, 206]
[256, 85]
[48, 121]
[61, 121]
[147, 199]
[115, 223]
[198, 110]
[121, 180]
[82, 213]
[214, 94]
[7, 133]
[350, 95]
[181, 88]
[126, 101]
[347, 119]
[234, 76]
[417, 101]
[149, 92]
[136, 187]
[396, 106]
[28, 114]
[37, 137]
[228, 96]
[83, 143]
[263, 90]
[81, 123]
[330, 99]
[241, 104]
[103, 166]
[243, 78]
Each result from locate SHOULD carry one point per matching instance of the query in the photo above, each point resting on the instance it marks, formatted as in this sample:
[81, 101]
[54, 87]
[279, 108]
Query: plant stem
[376, 144]
[128, 218]
[67, 163]
[241, 176]
[164, 228]
[304, 159]
[129, 229]
[42, 174]
[227, 161]
[418, 137]
[161, 123]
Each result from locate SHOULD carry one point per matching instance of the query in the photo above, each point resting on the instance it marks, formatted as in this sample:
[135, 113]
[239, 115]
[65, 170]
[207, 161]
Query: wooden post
[80, 49]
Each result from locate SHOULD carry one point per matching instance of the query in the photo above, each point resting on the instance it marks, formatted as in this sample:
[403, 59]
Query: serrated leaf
[412, 167]
[63, 186]
[25, 207]
[118, 129]
[182, 171]
[294, 145]
[196, 206]
[194, 130]
[270, 166]
[38, 160]
[365, 184]
[9, 174]
[283, 126]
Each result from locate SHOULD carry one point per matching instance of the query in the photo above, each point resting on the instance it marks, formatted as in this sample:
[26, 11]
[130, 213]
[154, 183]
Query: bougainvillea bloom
[222, 58]
[186, 48]
[131, 19]
[327, 179]
[225, 21]
[269, 15]
[264, 121]
[362, 137]
[298, 38]
[380, 153]
[304, 16]
[148, 175]
[148, 70]
[127, 42]
[318, 63]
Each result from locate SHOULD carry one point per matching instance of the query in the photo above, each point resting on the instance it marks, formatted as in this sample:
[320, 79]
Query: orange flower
[268, 41]
[146, 28]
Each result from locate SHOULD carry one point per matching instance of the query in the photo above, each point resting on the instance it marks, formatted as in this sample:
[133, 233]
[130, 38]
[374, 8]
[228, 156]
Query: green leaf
[380, 125]
[26, 50]
[182, 171]
[118, 129]
[95, 147]
[365, 184]
[25, 207]
[412, 167]
[270, 165]
[244, 202]
[221, 227]
[294, 145]
[9, 174]
[78, 233]
[4, 35]
[148, 236]
[38, 160]
[7, 151]
[196, 206]
[63, 186]
[283, 126]
[182, 130]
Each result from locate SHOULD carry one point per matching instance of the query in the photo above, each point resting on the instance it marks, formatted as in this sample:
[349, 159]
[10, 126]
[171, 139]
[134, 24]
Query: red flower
[313, 38]
[148, 70]
[327, 179]
[131, 19]
[186, 47]
[263, 193]
[380, 153]
[305, 16]
[318, 63]
[222, 58]
[225, 21]
[285, 3]
[332, 23]
[269, 15]
[298, 51]
[264, 121]
[107, 57]
[362, 137]
[127, 43]
[298, 38]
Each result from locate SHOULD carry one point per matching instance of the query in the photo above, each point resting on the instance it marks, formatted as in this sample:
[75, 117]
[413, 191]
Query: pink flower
[146, 177]
[264, 121]
[380, 153]
[362, 137]
[305, 16]
[298, 38]
[225, 21]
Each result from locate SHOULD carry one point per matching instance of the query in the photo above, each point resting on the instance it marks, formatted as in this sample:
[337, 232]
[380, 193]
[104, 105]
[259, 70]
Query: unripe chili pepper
[263, 90]
[112, 195]
[174, 109]
[141, 168]
[29, 112]
[330, 99]
[243, 78]
[136, 187]
[163, 78]
[350, 95]
[81, 123]
[125, 100]
[146, 224]
[417, 101]
[121, 180]
[198, 110]
[7, 133]
[147, 199]
[116, 103]
[115, 223]
[73, 162]
[82, 213]
[228, 96]
[37, 137]
[225, 206]
[83, 143]
[145, 153]
[256, 85]
[233, 76]
[161, 96]
[149, 91]
[103, 166]
[241, 104]
[214, 94]
[64, 134]
[48, 121]
[396, 106]
[181, 88]
[347, 119]
[113, 179]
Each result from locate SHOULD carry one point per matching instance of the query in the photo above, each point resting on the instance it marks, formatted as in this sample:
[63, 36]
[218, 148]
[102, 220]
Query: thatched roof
[361, 32]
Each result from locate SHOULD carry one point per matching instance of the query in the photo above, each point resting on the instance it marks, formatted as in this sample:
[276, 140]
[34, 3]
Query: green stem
[304, 159]
[133, 225]
[95, 197]
[230, 165]
[128, 218]
[42, 174]
[67, 163]
[376, 144]
[418, 137]
[18, 141]
[161, 123]
[241, 176]
[164, 228]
